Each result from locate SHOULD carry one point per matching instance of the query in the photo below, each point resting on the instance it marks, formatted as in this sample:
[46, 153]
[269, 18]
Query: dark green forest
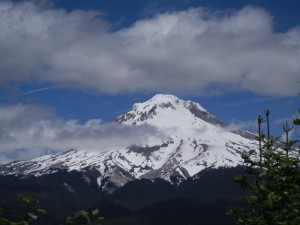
[137, 202]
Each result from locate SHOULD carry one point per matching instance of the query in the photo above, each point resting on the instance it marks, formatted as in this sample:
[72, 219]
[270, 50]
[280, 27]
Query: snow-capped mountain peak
[166, 101]
[196, 140]
[162, 110]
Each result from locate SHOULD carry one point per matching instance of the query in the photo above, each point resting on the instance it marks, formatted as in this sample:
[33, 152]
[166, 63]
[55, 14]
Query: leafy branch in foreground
[273, 179]
[84, 218]
[24, 211]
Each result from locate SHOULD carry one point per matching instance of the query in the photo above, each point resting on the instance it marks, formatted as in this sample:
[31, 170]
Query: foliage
[83, 217]
[25, 216]
[273, 180]
[31, 213]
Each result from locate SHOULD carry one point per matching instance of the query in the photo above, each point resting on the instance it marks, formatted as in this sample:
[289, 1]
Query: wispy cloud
[28, 92]
[276, 126]
[192, 51]
[289, 119]
[250, 125]
[245, 102]
[27, 131]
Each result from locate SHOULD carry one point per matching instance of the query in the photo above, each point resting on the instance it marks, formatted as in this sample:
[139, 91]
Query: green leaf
[83, 214]
[100, 219]
[27, 199]
[4, 221]
[32, 216]
[242, 180]
[43, 211]
[296, 121]
[95, 212]
[253, 199]
[70, 220]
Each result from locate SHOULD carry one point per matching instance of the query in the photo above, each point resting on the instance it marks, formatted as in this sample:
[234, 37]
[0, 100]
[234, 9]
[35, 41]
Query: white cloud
[281, 122]
[276, 126]
[288, 119]
[27, 131]
[244, 125]
[193, 51]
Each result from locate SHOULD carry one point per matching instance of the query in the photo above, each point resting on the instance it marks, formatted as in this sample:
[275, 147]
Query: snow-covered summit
[167, 110]
[162, 98]
[166, 101]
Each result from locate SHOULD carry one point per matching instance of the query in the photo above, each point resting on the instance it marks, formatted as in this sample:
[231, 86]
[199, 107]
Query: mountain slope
[137, 202]
[192, 140]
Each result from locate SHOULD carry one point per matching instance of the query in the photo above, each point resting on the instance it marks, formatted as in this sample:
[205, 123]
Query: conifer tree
[273, 180]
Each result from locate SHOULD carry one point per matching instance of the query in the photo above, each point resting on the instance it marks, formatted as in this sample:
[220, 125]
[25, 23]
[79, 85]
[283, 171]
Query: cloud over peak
[189, 51]
[27, 131]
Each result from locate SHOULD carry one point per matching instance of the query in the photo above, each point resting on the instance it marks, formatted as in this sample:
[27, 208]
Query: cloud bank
[27, 131]
[193, 51]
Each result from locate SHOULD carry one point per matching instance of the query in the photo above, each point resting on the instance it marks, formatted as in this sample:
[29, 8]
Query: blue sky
[79, 64]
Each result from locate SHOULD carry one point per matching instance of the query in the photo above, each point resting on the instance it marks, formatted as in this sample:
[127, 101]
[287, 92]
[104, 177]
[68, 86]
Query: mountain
[204, 200]
[192, 140]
